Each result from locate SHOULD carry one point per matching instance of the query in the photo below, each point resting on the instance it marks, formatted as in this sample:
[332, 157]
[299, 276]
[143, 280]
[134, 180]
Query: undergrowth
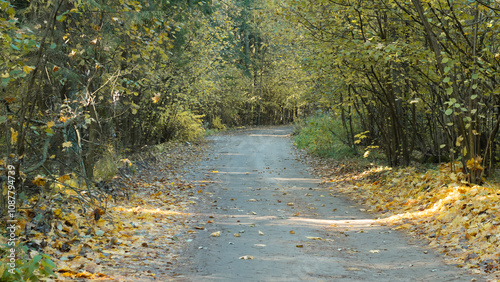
[323, 136]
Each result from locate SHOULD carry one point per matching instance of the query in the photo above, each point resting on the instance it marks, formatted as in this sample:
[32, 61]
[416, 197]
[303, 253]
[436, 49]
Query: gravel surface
[277, 223]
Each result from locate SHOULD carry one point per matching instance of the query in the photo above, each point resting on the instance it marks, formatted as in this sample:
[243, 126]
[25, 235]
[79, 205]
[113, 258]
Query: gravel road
[277, 223]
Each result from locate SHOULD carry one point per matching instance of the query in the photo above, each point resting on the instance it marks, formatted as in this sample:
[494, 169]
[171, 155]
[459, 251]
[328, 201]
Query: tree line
[415, 76]
[81, 79]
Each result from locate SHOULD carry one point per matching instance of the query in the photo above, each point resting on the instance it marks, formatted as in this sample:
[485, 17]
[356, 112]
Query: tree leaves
[380, 75]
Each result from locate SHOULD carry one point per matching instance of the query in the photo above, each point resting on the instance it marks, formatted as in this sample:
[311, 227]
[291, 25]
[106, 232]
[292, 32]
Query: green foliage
[321, 135]
[420, 75]
[107, 167]
[39, 267]
[217, 124]
[182, 126]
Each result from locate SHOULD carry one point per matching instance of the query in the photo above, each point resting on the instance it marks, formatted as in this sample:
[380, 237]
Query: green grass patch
[323, 135]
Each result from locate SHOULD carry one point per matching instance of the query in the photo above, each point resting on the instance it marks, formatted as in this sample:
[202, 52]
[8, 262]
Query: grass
[323, 136]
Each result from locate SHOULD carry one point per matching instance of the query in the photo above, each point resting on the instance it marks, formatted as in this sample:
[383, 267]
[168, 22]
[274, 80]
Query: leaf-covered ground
[459, 219]
[137, 233]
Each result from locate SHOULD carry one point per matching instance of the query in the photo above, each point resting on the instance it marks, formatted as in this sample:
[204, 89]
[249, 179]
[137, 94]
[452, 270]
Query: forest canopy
[415, 76]
[83, 78]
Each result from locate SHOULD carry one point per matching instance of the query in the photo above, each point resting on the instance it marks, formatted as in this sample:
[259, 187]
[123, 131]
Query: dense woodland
[411, 76]
[83, 80]
[87, 80]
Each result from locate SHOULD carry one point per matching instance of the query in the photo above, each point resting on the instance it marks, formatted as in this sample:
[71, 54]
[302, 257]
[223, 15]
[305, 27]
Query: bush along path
[264, 217]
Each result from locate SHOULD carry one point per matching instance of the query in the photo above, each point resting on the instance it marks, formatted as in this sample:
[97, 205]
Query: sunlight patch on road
[151, 211]
[309, 180]
[353, 223]
[269, 135]
[438, 206]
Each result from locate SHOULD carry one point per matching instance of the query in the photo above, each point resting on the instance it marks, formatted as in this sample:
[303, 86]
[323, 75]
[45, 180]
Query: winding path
[290, 228]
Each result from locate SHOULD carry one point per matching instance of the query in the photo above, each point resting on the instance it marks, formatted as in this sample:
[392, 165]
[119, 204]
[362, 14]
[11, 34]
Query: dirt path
[294, 229]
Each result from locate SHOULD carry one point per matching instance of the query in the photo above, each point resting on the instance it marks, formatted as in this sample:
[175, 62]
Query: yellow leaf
[13, 136]
[292, 232]
[156, 98]
[50, 124]
[404, 226]
[215, 234]
[67, 144]
[314, 238]
[39, 180]
[64, 178]
[128, 162]
[237, 235]
[28, 69]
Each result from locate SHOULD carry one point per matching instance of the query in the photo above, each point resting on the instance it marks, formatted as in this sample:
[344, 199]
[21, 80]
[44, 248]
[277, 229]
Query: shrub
[107, 167]
[217, 124]
[179, 126]
[321, 135]
[189, 126]
[38, 268]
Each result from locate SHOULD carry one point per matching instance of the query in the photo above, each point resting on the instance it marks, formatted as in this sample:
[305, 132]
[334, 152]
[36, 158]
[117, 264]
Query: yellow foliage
[39, 180]
[436, 204]
[13, 136]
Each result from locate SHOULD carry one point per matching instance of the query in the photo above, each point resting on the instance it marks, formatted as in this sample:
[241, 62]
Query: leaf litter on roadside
[459, 219]
[118, 236]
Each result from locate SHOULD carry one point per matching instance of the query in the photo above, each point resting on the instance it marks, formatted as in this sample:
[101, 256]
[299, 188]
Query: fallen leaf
[13, 136]
[67, 144]
[156, 98]
[404, 226]
[314, 238]
[374, 251]
[246, 257]
[215, 234]
[237, 235]
[261, 233]
[292, 232]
